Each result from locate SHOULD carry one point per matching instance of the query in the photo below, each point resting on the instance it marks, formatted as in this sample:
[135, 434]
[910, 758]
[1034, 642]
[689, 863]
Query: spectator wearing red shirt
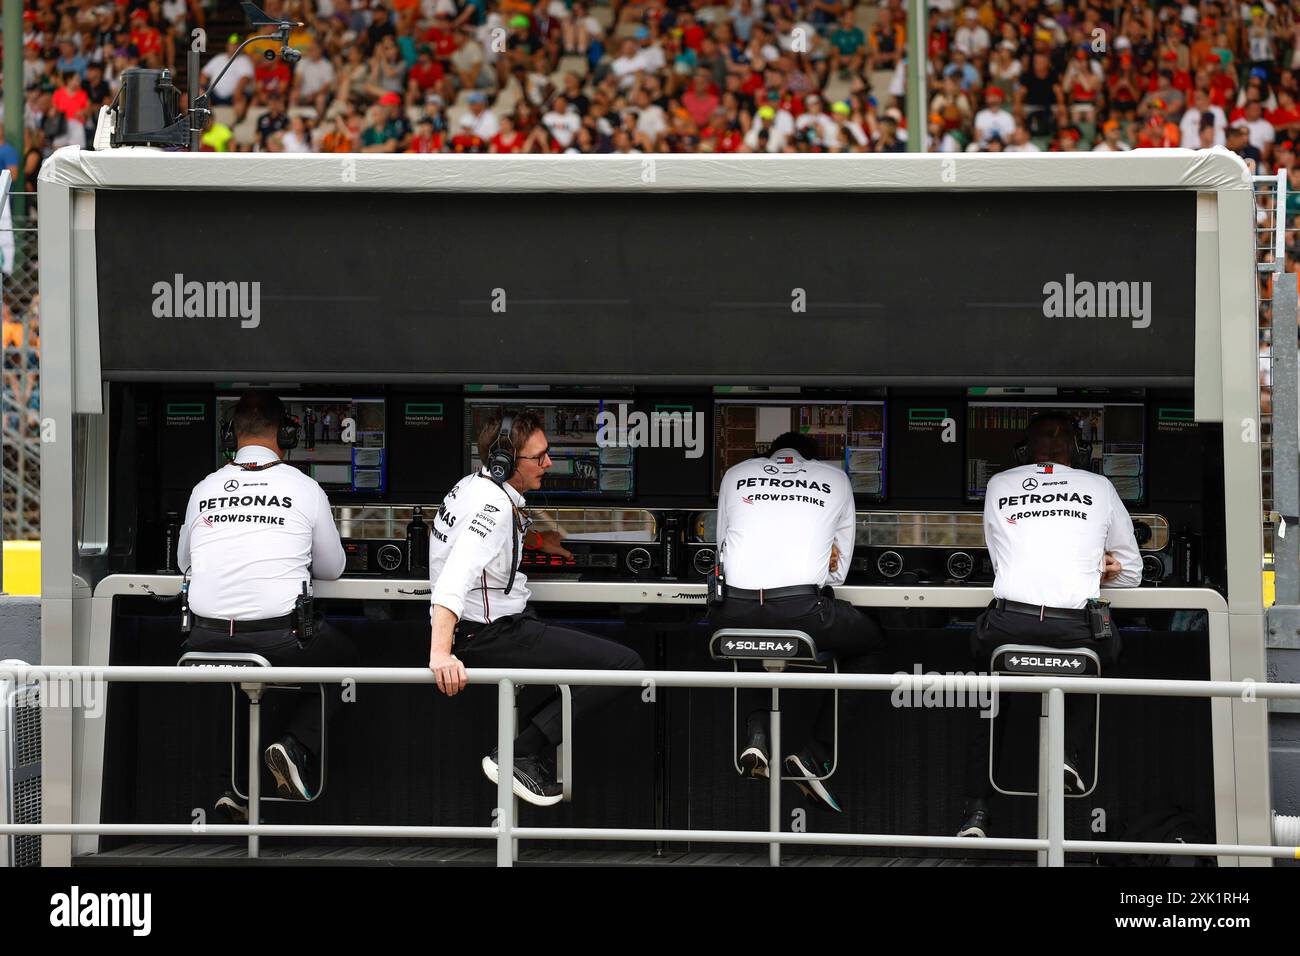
[271, 79]
[70, 99]
[425, 139]
[509, 139]
[702, 98]
[426, 76]
[1286, 116]
[144, 36]
[442, 37]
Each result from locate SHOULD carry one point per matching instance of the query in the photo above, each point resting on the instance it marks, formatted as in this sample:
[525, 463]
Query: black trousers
[996, 627]
[523, 640]
[834, 625]
[328, 648]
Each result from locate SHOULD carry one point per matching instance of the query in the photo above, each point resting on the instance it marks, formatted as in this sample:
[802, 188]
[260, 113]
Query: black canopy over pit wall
[861, 287]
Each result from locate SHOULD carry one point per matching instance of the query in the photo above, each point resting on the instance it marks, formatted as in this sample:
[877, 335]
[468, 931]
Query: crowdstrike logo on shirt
[1098, 300]
[179, 299]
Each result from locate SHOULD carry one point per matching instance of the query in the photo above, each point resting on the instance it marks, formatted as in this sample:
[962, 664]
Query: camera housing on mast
[146, 110]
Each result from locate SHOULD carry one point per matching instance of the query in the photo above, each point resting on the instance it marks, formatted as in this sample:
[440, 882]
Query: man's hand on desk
[552, 542]
[1110, 568]
[835, 557]
[449, 671]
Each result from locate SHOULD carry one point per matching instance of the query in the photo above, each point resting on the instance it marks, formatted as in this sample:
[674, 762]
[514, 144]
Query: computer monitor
[849, 435]
[341, 440]
[1114, 429]
[582, 467]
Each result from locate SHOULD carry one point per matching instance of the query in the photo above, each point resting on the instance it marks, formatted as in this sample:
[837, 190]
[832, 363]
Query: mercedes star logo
[1029, 484]
[231, 485]
[770, 469]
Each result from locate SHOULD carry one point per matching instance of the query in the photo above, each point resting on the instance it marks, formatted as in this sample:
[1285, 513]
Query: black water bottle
[1188, 554]
[171, 541]
[417, 544]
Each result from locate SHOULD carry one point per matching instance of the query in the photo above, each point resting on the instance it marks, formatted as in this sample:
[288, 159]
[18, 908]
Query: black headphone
[501, 456]
[1080, 450]
[286, 436]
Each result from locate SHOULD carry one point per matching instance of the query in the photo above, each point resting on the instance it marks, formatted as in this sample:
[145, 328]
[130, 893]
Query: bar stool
[775, 650]
[254, 691]
[1026, 659]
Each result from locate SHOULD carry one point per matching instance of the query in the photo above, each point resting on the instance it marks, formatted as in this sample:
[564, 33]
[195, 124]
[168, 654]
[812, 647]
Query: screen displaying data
[585, 464]
[341, 441]
[849, 435]
[1114, 430]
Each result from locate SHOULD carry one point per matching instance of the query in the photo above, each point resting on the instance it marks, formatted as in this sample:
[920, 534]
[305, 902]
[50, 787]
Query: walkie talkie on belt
[304, 619]
[187, 620]
[1099, 620]
[717, 585]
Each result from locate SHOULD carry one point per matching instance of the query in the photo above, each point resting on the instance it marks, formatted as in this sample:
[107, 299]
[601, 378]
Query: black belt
[1041, 611]
[284, 623]
[772, 594]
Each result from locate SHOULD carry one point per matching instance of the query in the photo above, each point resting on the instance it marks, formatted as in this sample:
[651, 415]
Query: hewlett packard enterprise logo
[1079, 299]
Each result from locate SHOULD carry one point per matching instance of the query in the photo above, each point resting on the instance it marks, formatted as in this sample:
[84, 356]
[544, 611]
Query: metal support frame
[1283, 618]
[775, 774]
[93, 649]
[505, 829]
[255, 690]
[1042, 728]
[1225, 382]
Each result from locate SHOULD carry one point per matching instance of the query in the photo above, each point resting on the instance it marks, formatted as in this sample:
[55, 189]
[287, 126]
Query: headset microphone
[501, 456]
[1080, 450]
[286, 436]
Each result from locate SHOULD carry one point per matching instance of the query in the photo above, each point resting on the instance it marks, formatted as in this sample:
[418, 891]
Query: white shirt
[1261, 134]
[989, 121]
[971, 40]
[250, 536]
[470, 551]
[562, 126]
[314, 75]
[825, 124]
[1190, 127]
[1048, 527]
[241, 70]
[652, 122]
[627, 67]
[485, 125]
[777, 520]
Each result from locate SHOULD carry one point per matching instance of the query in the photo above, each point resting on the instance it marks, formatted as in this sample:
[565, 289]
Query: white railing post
[1279, 222]
[505, 771]
[1055, 777]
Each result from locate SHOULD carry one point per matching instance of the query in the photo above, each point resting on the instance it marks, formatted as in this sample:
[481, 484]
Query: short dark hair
[521, 430]
[258, 413]
[1051, 437]
[805, 446]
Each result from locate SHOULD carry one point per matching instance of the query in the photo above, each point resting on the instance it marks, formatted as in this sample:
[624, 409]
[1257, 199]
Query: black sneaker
[1073, 779]
[753, 759]
[976, 823]
[808, 764]
[534, 779]
[229, 808]
[287, 760]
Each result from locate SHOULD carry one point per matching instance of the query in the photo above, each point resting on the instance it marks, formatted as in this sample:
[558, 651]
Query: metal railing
[504, 831]
[20, 445]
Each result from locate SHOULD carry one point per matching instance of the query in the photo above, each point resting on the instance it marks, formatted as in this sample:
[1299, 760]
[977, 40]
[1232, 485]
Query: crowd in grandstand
[548, 76]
